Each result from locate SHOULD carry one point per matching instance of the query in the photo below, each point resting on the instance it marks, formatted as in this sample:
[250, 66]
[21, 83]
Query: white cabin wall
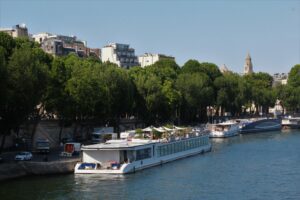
[104, 156]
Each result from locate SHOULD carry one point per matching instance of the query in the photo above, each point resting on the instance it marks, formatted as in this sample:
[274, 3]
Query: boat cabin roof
[118, 144]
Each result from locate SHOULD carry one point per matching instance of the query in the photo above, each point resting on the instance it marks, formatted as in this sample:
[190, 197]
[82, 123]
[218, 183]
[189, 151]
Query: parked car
[24, 156]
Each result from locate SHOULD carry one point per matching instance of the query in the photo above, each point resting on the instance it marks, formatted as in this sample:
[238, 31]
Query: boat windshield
[87, 166]
[222, 127]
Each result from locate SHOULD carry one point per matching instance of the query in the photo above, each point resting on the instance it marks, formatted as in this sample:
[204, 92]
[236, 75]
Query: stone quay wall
[20, 169]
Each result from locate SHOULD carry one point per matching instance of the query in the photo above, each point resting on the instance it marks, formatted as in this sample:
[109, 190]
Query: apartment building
[19, 30]
[120, 54]
[149, 59]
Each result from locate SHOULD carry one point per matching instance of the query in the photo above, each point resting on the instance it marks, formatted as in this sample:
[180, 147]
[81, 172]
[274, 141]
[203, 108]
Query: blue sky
[222, 32]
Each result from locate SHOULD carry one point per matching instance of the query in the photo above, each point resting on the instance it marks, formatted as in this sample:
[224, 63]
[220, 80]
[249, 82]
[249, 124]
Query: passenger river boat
[257, 125]
[290, 123]
[130, 155]
[224, 129]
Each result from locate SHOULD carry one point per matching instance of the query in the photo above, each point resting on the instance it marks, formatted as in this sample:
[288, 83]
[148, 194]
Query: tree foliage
[294, 76]
[78, 89]
[25, 76]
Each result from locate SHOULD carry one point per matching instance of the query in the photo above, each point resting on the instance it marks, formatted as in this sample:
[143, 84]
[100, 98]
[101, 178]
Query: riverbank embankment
[20, 169]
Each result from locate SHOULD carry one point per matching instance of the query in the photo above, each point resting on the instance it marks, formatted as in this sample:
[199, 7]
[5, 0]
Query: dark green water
[262, 166]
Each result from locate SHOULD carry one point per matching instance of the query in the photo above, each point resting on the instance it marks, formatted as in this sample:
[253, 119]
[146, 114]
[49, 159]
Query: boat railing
[185, 137]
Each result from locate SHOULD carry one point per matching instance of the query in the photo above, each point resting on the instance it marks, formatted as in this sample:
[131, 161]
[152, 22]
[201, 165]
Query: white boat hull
[223, 134]
[234, 131]
[146, 163]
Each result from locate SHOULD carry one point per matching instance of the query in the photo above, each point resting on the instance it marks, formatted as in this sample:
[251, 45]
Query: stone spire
[248, 67]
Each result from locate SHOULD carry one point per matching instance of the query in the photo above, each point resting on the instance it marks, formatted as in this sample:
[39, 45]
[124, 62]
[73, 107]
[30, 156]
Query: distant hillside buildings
[121, 54]
[150, 59]
[16, 31]
[280, 79]
[61, 45]
[57, 45]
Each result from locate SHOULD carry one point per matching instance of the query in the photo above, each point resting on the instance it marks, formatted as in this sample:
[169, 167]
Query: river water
[262, 166]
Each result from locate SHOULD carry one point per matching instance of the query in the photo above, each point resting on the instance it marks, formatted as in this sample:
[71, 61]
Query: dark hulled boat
[261, 125]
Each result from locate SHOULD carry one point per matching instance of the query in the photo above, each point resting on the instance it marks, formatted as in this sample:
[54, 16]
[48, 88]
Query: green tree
[155, 88]
[294, 76]
[150, 89]
[88, 91]
[3, 77]
[197, 93]
[165, 69]
[56, 99]
[191, 66]
[26, 81]
[231, 93]
[7, 43]
[210, 69]
[261, 90]
[120, 89]
[289, 94]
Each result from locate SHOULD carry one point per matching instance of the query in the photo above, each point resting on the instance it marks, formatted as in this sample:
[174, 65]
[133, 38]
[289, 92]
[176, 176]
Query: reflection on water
[258, 166]
[91, 178]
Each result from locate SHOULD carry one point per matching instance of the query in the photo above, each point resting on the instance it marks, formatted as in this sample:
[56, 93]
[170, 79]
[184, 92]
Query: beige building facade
[19, 30]
[150, 59]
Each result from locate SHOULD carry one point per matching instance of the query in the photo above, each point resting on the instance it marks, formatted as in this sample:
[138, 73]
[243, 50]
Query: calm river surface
[260, 166]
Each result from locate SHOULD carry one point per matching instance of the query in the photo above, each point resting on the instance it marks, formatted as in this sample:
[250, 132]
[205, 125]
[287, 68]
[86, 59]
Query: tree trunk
[3, 141]
[75, 130]
[60, 130]
[204, 114]
[117, 125]
[222, 112]
[257, 110]
[81, 130]
[266, 110]
[36, 122]
[17, 132]
[217, 111]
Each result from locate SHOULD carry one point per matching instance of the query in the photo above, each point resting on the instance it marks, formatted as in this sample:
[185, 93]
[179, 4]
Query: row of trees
[290, 93]
[80, 89]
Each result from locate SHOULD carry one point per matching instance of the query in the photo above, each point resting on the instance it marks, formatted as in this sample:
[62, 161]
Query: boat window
[130, 156]
[153, 151]
[87, 166]
[143, 154]
[180, 146]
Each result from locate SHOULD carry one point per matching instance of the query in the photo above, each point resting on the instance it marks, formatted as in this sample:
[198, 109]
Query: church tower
[248, 68]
